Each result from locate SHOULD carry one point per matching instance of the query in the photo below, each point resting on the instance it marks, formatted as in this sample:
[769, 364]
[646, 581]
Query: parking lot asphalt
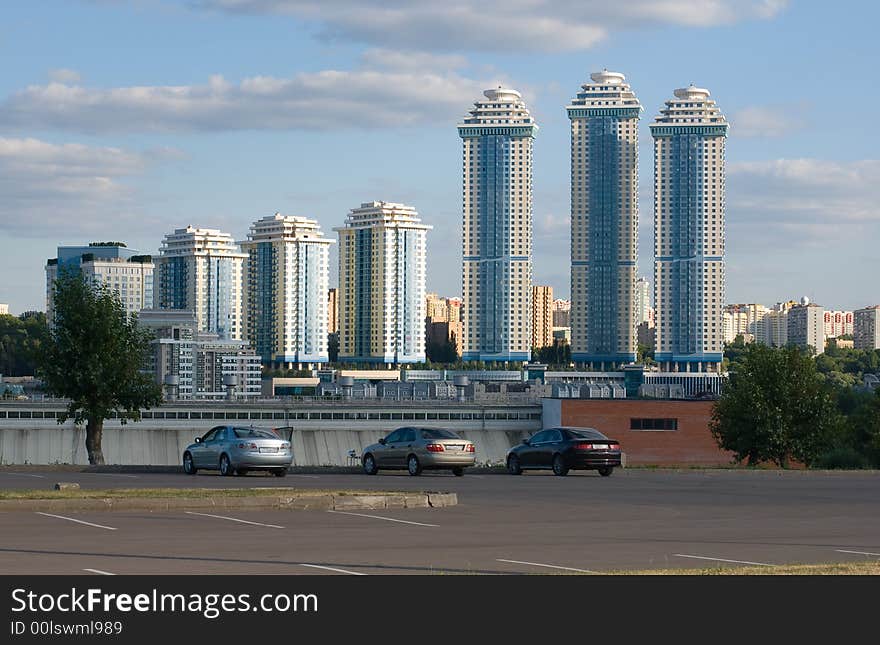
[537, 523]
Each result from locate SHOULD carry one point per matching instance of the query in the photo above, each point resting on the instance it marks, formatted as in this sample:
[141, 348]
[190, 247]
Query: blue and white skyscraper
[497, 137]
[200, 269]
[604, 221]
[382, 272]
[127, 272]
[689, 140]
[286, 279]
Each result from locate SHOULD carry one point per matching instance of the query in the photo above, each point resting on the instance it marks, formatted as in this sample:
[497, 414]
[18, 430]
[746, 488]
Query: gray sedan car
[417, 449]
[236, 450]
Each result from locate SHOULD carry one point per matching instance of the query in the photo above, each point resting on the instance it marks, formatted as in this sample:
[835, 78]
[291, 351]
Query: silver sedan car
[417, 449]
[236, 450]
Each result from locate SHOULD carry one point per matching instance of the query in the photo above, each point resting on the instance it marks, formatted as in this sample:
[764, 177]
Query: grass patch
[176, 493]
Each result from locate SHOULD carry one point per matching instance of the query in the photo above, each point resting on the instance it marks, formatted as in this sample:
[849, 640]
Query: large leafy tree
[775, 408]
[94, 358]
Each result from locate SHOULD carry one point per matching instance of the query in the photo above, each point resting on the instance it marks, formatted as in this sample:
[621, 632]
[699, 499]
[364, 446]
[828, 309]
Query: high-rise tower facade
[200, 269]
[604, 220]
[497, 138]
[382, 258]
[286, 280]
[689, 140]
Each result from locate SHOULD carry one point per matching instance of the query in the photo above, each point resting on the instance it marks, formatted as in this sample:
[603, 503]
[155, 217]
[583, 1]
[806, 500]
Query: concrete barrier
[316, 441]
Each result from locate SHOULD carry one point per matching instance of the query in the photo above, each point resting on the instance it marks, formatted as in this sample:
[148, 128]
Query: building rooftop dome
[609, 78]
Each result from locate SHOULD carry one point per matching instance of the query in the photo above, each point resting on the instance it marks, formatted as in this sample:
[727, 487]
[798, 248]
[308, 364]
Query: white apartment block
[127, 272]
[4, 309]
[497, 138]
[201, 269]
[806, 326]
[866, 328]
[382, 276]
[747, 321]
[689, 182]
[838, 323]
[605, 304]
[286, 282]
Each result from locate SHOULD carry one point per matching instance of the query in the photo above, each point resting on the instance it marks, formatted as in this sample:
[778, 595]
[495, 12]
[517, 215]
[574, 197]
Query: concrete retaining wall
[161, 442]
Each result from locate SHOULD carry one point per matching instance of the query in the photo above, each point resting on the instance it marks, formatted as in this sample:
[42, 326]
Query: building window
[653, 424]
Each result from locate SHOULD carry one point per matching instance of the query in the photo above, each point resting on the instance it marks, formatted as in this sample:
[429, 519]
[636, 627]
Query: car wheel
[188, 466]
[226, 468]
[370, 466]
[458, 472]
[606, 471]
[559, 467]
[513, 466]
[280, 472]
[413, 465]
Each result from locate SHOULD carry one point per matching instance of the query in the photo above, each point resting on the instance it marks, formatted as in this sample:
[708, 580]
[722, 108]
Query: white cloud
[63, 75]
[320, 100]
[766, 121]
[498, 25]
[808, 194]
[68, 188]
[412, 61]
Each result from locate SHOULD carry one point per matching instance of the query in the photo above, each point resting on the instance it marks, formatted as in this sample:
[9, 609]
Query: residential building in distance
[497, 137]
[127, 272]
[192, 365]
[382, 266]
[443, 322]
[806, 326]
[332, 311]
[838, 323]
[643, 301]
[561, 313]
[201, 269]
[866, 328]
[604, 221]
[542, 316]
[286, 281]
[689, 147]
[746, 320]
[4, 309]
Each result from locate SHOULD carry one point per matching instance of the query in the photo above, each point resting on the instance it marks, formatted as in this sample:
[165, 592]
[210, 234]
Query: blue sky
[124, 119]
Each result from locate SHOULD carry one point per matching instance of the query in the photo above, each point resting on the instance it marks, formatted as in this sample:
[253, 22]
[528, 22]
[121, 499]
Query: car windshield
[587, 434]
[254, 433]
[438, 433]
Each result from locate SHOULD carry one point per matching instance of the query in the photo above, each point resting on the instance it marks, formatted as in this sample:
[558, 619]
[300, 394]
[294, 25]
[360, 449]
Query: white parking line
[234, 519]
[856, 552]
[318, 566]
[549, 566]
[99, 572]
[379, 517]
[25, 475]
[700, 557]
[70, 519]
[306, 476]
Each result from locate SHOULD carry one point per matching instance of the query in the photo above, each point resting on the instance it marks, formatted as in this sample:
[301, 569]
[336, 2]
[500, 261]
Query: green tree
[20, 341]
[94, 357]
[775, 408]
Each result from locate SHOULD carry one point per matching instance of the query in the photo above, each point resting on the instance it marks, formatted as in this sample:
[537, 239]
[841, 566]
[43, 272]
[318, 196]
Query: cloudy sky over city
[125, 119]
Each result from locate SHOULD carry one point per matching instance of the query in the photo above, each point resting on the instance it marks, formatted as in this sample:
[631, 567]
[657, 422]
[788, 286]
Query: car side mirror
[382, 441]
[525, 442]
[198, 440]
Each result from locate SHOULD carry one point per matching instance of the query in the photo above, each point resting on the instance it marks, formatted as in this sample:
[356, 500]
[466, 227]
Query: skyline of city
[800, 185]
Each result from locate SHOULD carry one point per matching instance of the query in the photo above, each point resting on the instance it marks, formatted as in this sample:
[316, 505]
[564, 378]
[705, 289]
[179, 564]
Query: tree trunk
[94, 431]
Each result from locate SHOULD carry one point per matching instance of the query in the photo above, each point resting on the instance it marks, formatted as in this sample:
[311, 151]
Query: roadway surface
[537, 523]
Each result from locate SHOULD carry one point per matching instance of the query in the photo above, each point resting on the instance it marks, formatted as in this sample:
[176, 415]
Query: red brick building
[651, 432]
